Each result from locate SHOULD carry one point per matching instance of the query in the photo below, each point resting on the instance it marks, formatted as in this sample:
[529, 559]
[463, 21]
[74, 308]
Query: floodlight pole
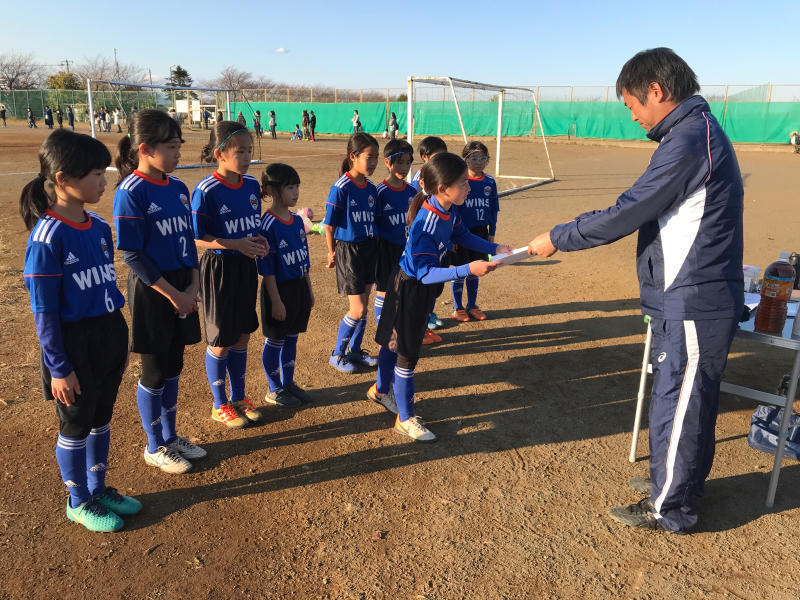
[499, 132]
[91, 106]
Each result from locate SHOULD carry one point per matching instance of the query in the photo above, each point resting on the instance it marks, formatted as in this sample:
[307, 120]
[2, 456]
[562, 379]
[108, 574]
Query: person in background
[70, 118]
[794, 139]
[272, 125]
[60, 116]
[3, 114]
[304, 120]
[312, 125]
[356, 120]
[393, 126]
[241, 120]
[687, 207]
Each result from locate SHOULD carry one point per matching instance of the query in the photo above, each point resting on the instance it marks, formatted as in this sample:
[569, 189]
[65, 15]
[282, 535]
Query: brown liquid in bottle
[776, 290]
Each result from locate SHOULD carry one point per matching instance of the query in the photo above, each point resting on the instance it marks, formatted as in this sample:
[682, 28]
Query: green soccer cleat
[94, 516]
[118, 503]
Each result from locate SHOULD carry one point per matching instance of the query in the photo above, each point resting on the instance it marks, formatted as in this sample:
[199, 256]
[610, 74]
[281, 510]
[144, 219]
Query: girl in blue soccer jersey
[226, 213]
[350, 237]
[286, 294]
[413, 282]
[69, 273]
[479, 215]
[153, 219]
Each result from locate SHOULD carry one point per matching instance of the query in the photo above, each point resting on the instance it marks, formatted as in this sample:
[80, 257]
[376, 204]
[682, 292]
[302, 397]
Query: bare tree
[232, 78]
[102, 68]
[19, 71]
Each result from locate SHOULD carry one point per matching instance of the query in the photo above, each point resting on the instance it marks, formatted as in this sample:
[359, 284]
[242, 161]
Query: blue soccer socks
[404, 392]
[237, 370]
[71, 458]
[346, 329]
[149, 402]
[271, 359]
[472, 291]
[378, 308]
[169, 409]
[288, 357]
[97, 458]
[457, 289]
[358, 335]
[386, 363]
[216, 369]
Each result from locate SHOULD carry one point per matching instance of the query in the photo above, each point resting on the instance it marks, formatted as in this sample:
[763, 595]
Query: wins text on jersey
[392, 208]
[350, 209]
[288, 256]
[226, 211]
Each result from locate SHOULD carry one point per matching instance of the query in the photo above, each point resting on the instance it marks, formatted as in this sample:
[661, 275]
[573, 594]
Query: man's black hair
[662, 66]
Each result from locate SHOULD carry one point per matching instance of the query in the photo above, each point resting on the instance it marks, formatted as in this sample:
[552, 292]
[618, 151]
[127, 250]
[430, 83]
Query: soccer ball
[306, 212]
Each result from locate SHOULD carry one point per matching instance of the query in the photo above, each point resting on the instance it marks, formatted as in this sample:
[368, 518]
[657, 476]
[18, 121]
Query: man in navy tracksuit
[687, 207]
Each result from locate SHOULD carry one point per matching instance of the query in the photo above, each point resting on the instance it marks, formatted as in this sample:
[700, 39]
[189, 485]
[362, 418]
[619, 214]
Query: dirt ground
[533, 409]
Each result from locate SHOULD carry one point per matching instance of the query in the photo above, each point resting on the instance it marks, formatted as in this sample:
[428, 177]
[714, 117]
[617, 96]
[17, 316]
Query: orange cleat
[476, 313]
[460, 315]
[430, 338]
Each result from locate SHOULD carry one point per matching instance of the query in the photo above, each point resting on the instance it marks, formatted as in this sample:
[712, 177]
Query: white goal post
[452, 83]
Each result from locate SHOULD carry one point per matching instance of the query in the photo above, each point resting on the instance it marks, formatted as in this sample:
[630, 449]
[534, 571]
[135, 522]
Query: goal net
[471, 110]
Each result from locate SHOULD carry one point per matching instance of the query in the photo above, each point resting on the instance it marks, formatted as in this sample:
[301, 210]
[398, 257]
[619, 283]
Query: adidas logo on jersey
[441, 245]
[224, 210]
[98, 467]
[353, 202]
[153, 208]
[387, 207]
[71, 259]
[283, 244]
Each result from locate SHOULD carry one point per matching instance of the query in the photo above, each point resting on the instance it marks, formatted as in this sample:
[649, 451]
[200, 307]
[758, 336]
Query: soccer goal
[188, 108]
[451, 106]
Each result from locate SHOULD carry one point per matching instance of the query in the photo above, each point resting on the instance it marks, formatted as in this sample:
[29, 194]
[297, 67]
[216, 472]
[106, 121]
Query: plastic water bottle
[776, 289]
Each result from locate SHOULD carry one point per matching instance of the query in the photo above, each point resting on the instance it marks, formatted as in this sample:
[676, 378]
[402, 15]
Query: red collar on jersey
[400, 189]
[478, 178]
[435, 210]
[355, 182]
[289, 222]
[233, 186]
[87, 224]
[164, 181]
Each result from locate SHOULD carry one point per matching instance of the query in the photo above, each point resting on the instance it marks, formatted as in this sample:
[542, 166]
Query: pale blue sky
[378, 44]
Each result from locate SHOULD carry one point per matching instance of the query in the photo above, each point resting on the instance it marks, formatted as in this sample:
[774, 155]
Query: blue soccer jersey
[430, 235]
[415, 180]
[351, 209]
[288, 248]
[226, 211]
[481, 206]
[390, 212]
[69, 268]
[154, 217]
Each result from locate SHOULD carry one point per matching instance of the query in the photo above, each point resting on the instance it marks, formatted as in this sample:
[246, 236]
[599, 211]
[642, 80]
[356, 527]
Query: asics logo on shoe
[153, 208]
[98, 467]
[224, 210]
[662, 357]
[218, 382]
[283, 244]
[71, 259]
[70, 484]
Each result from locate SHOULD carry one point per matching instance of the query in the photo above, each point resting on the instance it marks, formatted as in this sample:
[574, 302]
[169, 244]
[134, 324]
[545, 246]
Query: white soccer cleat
[415, 429]
[186, 449]
[167, 460]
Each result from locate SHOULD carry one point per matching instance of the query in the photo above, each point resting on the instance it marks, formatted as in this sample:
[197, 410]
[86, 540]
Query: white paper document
[516, 256]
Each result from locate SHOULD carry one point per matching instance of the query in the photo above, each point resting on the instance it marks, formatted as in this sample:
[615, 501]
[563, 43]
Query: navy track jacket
[687, 207]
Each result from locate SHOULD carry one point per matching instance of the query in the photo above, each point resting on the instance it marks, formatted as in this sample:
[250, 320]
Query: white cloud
[281, 50]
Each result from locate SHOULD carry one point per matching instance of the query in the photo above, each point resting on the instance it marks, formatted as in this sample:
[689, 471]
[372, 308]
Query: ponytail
[127, 158]
[416, 204]
[357, 143]
[64, 151]
[34, 201]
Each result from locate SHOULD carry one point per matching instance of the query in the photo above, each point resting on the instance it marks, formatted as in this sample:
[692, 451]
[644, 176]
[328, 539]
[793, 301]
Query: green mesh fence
[758, 122]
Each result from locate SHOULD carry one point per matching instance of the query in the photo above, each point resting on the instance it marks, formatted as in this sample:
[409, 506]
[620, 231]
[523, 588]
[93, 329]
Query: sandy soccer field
[533, 408]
